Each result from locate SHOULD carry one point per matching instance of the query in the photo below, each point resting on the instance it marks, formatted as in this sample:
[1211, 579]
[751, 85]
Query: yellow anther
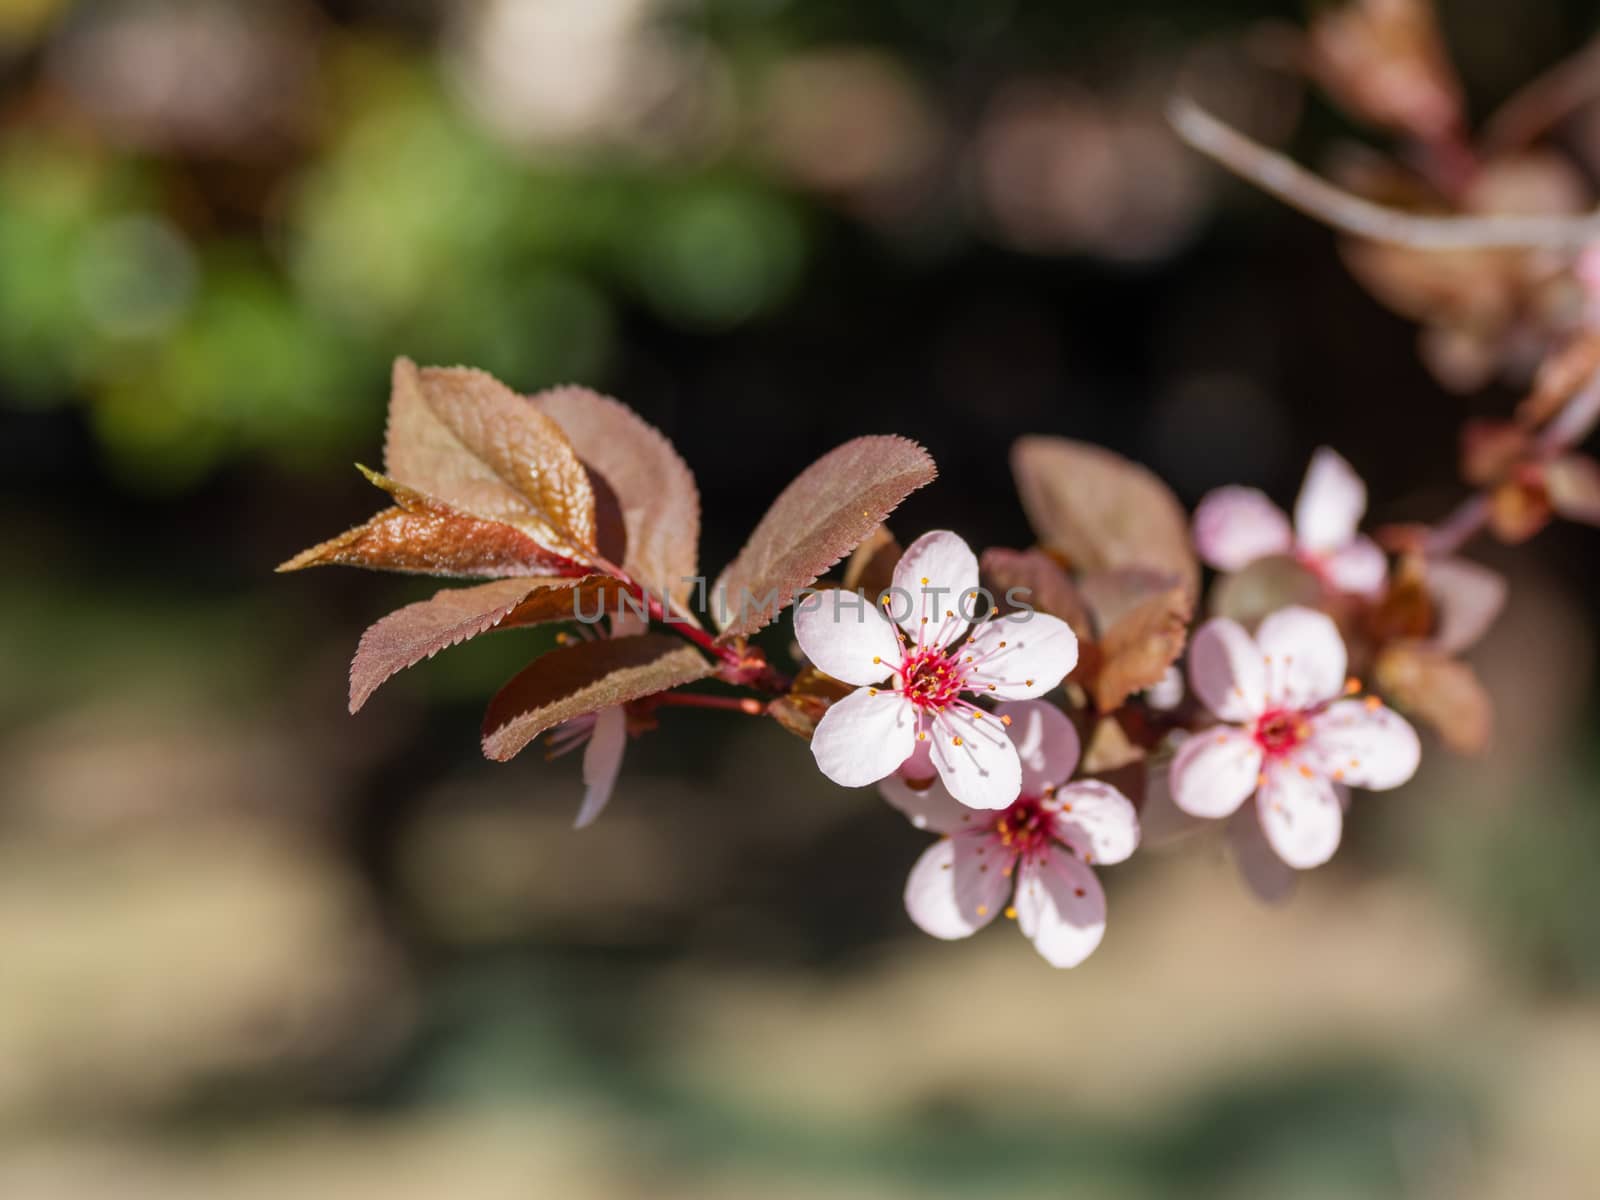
[1011, 912]
[1004, 720]
[956, 741]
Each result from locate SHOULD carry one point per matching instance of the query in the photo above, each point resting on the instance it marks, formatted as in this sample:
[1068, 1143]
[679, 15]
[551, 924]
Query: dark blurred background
[256, 947]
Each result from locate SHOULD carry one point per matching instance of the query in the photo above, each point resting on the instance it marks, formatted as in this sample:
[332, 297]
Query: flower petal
[1358, 568]
[1268, 876]
[865, 736]
[1021, 656]
[929, 805]
[1304, 656]
[958, 886]
[602, 759]
[1331, 503]
[936, 578]
[1300, 814]
[1046, 742]
[1226, 671]
[1214, 771]
[1466, 600]
[1361, 743]
[846, 636]
[1097, 821]
[975, 758]
[1234, 526]
[1061, 908]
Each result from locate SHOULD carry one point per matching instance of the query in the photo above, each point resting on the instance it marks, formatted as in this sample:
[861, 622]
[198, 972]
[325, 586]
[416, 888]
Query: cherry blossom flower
[872, 732]
[1292, 733]
[1043, 843]
[1234, 526]
[603, 734]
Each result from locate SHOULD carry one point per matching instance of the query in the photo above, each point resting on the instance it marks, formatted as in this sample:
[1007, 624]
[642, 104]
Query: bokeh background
[254, 947]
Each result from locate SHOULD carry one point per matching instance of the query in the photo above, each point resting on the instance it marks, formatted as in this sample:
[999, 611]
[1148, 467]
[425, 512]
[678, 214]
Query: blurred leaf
[465, 437]
[1263, 587]
[808, 698]
[1518, 509]
[1573, 484]
[871, 566]
[819, 518]
[1560, 377]
[1101, 511]
[1466, 599]
[654, 488]
[1439, 690]
[408, 635]
[1138, 649]
[584, 678]
[1109, 749]
[1049, 588]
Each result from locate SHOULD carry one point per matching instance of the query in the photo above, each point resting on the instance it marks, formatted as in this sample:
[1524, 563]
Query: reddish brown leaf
[1101, 511]
[819, 518]
[584, 678]
[1108, 748]
[808, 698]
[1518, 509]
[423, 536]
[1489, 449]
[1385, 62]
[871, 566]
[462, 436]
[1040, 582]
[1559, 379]
[1439, 690]
[1138, 649]
[408, 635]
[584, 600]
[655, 490]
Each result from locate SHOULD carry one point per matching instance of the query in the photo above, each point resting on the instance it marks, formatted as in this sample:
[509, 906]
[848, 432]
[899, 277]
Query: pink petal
[1268, 876]
[1234, 526]
[1359, 568]
[1020, 656]
[1300, 814]
[846, 636]
[1304, 656]
[602, 759]
[1046, 742]
[1466, 600]
[1097, 821]
[1331, 503]
[929, 806]
[959, 885]
[936, 578]
[983, 769]
[1214, 771]
[1367, 746]
[1226, 671]
[1061, 908]
[865, 736]
[918, 769]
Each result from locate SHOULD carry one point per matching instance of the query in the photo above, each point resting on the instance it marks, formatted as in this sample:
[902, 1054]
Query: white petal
[1214, 771]
[1368, 746]
[1234, 526]
[1226, 671]
[1466, 600]
[929, 806]
[864, 737]
[983, 770]
[1358, 568]
[846, 636]
[1061, 908]
[1331, 503]
[1268, 876]
[1304, 656]
[1300, 814]
[1021, 656]
[936, 578]
[1097, 821]
[958, 886]
[1046, 742]
[602, 759]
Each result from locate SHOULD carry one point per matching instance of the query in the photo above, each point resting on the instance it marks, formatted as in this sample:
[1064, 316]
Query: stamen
[1011, 912]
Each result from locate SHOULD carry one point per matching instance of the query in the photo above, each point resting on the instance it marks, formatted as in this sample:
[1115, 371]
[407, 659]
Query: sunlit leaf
[584, 678]
[423, 536]
[1101, 511]
[820, 517]
[462, 436]
[653, 488]
[1440, 690]
[1136, 651]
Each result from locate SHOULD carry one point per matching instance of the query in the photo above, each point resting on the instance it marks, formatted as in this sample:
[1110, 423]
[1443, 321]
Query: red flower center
[1026, 826]
[1280, 730]
[931, 678]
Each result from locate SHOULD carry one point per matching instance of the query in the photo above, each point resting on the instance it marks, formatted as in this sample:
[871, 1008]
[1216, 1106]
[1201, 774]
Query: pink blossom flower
[1234, 526]
[1287, 737]
[603, 734]
[1043, 843]
[872, 732]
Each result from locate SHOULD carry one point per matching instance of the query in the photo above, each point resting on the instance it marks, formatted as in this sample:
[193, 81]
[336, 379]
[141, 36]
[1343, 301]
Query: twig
[1322, 201]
